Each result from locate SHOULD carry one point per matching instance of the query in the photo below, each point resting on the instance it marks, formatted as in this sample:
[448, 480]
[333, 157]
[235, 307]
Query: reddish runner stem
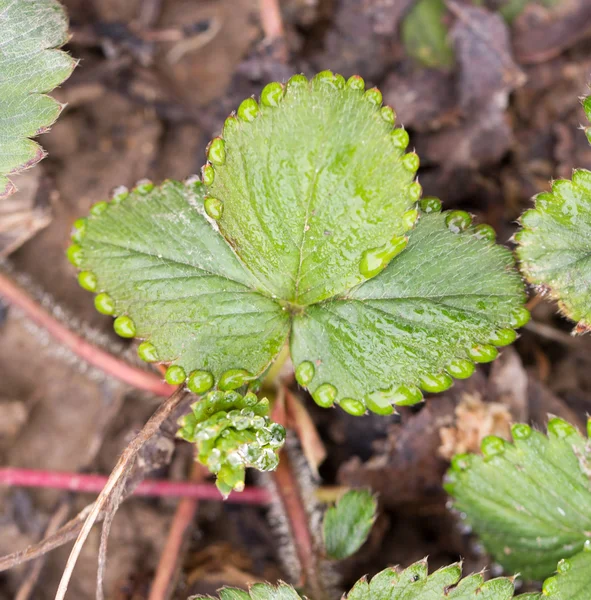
[92, 354]
[76, 482]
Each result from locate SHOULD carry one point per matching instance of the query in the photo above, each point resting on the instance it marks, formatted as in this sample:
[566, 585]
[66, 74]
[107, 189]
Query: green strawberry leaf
[555, 248]
[529, 501]
[308, 181]
[425, 35]
[347, 525]
[446, 301]
[309, 206]
[154, 259]
[30, 66]
[413, 583]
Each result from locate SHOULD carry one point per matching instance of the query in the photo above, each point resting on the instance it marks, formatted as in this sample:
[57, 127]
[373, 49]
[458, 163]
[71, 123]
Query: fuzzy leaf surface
[444, 294]
[529, 501]
[30, 66]
[308, 186]
[555, 245]
[347, 525]
[165, 267]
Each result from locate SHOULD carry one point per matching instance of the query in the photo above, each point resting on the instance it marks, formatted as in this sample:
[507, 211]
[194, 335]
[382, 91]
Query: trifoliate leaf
[309, 180]
[555, 247]
[449, 299]
[233, 432]
[347, 525]
[312, 195]
[155, 260]
[415, 583]
[425, 35]
[529, 501]
[30, 66]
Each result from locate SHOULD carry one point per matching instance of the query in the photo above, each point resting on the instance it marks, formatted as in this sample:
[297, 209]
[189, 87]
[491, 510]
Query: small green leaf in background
[425, 35]
[555, 246]
[30, 67]
[511, 9]
[347, 525]
[415, 583]
[528, 501]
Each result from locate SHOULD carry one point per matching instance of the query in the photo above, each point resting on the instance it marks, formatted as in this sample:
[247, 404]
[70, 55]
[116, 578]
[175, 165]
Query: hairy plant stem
[91, 353]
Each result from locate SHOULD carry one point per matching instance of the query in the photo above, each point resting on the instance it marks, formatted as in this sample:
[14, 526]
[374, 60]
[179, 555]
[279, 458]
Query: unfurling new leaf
[347, 525]
[233, 432]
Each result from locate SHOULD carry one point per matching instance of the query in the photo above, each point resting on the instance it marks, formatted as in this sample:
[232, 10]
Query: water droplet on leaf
[460, 368]
[458, 221]
[356, 83]
[388, 114]
[175, 375]
[492, 445]
[483, 353]
[435, 383]
[485, 232]
[87, 280]
[104, 304]
[208, 174]
[373, 96]
[272, 94]
[503, 337]
[352, 406]
[521, 431]
[550, 586]
[79, 229]
[407, 395]
[216, 153]
[305, 373]
[74, 254]
[200, 382]
[325, 395]
[248, 110]
[409, 218]
[120, 194]
[430, 204]
[124, 326]
[519, 317]
[147, 352]
[213, 207]
[560, 429]
[411, 161]
[400, 138]
[376, 259]
[233, 379]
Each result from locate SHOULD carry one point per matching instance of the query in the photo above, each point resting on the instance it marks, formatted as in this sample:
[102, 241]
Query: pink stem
[76, 482]
[92, 354]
